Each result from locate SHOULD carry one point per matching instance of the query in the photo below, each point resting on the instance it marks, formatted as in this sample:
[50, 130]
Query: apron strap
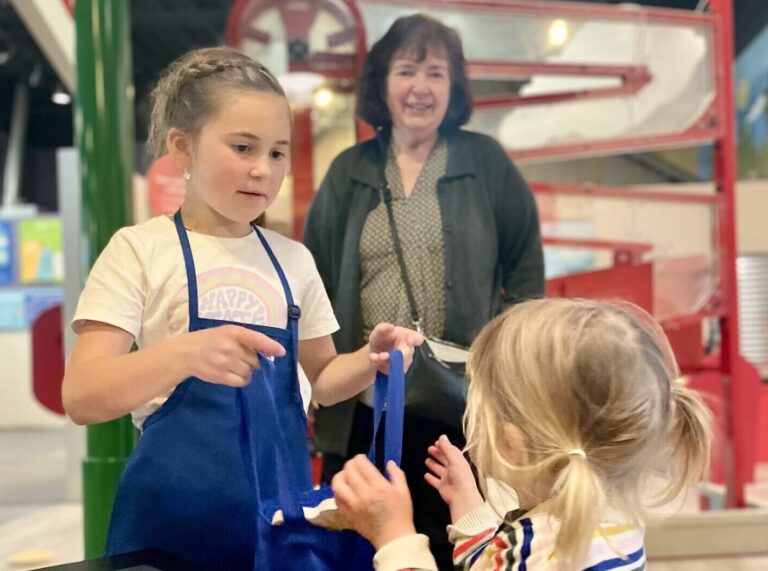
[189, 266]
[294, 313]
[293, 310]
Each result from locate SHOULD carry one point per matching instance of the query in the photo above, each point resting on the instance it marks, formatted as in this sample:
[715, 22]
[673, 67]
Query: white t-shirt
[139, 284]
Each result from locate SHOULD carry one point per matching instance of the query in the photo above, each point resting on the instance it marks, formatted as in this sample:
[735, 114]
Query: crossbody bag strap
[400, 258]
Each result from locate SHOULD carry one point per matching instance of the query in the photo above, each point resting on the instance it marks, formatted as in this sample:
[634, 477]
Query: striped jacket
[526, 542]
[523, 542]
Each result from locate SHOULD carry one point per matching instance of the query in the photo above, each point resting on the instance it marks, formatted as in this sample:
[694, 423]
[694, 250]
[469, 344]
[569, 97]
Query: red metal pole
[725, 175]
[302, 168]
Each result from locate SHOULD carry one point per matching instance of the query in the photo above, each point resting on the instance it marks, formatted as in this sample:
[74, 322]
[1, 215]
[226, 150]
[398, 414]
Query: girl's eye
[241, 148]
[278, 155]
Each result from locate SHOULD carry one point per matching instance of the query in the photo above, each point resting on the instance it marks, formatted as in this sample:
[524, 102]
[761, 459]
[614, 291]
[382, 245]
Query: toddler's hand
[386, 337]
[227, 355]
[451, 475]
[379, 510]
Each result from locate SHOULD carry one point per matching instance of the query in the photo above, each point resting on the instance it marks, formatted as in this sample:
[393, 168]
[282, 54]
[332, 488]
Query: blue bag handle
[389, 396]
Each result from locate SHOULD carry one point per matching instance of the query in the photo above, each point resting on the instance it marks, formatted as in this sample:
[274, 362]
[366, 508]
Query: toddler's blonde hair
[582, 375]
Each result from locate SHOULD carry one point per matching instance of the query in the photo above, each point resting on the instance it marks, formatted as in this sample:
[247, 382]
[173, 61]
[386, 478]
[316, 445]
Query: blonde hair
[189, 90]
[575, 375]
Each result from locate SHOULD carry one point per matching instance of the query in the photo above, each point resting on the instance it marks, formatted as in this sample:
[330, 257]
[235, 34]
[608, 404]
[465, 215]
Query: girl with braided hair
[222, 312]
[577, 406]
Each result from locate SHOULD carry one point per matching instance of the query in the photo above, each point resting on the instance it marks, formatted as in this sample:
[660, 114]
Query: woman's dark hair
[414, 35]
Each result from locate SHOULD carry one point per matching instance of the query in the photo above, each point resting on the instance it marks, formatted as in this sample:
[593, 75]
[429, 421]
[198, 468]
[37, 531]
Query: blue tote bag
[296, 543]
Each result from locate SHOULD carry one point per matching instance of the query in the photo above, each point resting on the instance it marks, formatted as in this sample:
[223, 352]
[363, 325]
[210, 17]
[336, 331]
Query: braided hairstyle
[186, 95]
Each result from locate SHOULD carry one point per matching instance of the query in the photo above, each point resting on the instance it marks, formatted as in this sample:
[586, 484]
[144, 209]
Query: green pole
[104, 131]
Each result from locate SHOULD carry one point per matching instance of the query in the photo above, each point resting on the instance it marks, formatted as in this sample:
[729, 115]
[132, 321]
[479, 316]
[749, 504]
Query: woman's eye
[278, 155]
[242, 148]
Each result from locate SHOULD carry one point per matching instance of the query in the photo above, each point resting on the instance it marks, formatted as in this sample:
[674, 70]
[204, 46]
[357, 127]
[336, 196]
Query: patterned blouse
[420, 229]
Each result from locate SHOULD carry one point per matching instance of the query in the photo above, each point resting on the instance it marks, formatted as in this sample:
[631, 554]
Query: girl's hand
[451, 475]
[227, 355]
[379, 510]
[386, 337]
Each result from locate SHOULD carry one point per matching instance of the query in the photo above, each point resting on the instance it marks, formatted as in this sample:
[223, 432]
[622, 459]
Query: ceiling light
[60, 97]
[323, 97]
[558, 32]
[299, 86]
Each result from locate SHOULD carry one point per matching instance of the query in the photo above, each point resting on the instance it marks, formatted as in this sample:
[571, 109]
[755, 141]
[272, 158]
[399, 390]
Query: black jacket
[493, 255]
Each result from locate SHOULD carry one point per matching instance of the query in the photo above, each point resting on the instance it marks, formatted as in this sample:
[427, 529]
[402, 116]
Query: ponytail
[690, 438]
[578, 504]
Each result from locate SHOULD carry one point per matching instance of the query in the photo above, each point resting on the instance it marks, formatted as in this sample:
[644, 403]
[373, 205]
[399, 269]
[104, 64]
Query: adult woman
[465, 218]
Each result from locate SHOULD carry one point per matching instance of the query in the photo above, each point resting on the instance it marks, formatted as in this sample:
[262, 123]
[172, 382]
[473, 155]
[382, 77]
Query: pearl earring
[187, 176]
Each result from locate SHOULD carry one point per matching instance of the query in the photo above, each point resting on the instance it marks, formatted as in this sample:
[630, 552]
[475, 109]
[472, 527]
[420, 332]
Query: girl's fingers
[451, 452]
[437, 454]
[242, 368]
[437, 469]
[259, 343]
[397, 477]
[366, 470]
[342, 492]
[415, 339]
[386, 335]
[353, 478]
[234, 380]
[381, 336]
[250, 358]
[432, 481]
[380, 358]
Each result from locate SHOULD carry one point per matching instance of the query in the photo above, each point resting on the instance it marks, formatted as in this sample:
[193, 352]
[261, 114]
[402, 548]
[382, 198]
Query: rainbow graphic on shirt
[231, 294]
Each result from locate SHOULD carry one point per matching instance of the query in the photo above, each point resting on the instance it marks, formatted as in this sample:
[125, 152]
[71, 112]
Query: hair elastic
[578, 452]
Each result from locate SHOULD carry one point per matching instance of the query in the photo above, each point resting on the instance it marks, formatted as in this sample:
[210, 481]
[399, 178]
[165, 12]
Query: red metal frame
[633, 79]
[714, 125]
[736, 382]
[706, 129]
[302, 168]
[622, 193]
[558, 9]
[298, 18]
[623, 252]
[735, 389]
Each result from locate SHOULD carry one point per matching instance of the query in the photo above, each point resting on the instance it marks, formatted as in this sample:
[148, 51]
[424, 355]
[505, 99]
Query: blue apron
[214, 462]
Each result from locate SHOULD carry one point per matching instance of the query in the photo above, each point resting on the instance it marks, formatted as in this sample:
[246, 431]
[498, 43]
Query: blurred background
[641, 128]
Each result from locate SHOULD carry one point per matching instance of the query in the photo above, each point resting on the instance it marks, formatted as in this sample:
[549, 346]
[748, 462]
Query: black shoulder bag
[435, 385]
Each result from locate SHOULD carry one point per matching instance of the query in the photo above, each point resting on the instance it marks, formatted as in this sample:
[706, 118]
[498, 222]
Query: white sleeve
[116, 289]
[407, 552]
[317, 318]
[475, 522]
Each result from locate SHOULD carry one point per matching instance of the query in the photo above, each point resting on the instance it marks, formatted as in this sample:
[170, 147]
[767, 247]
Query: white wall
[18, 406]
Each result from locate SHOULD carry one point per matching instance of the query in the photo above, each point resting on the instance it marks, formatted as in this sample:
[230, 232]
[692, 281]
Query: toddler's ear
[514, 443]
